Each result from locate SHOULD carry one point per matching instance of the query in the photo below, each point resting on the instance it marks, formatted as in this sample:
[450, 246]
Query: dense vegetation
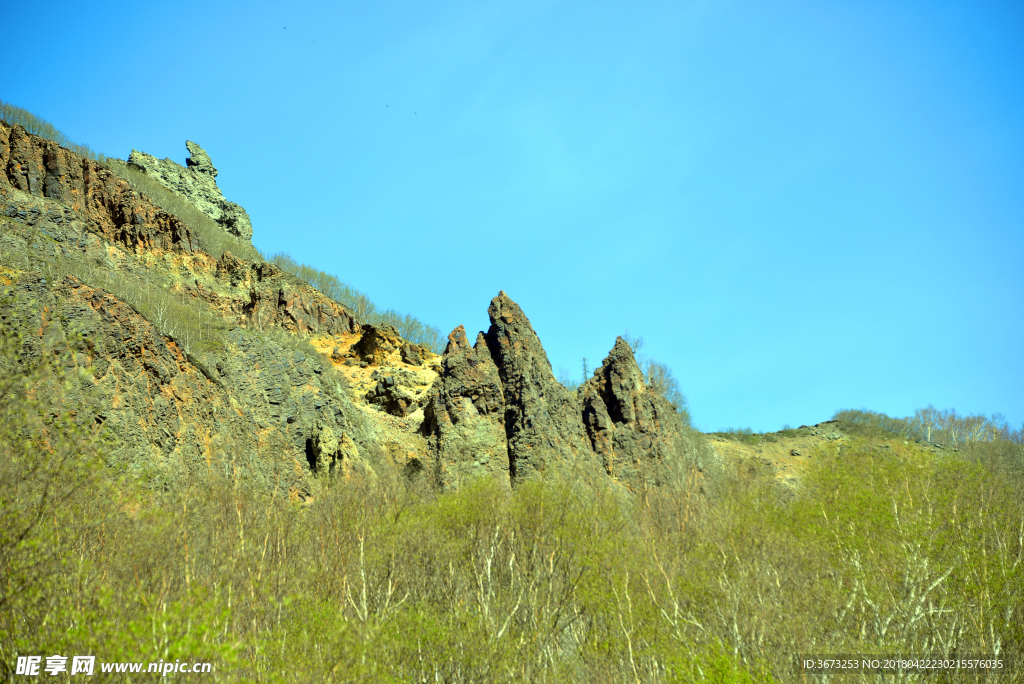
[384, 580]
[932, 425]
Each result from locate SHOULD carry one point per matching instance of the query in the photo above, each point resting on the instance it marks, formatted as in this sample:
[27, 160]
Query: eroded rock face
[632, 429]
[399, 391]
[465, 413]
[377, 344]
[41, 168]
[500, 394]
[273, 409]
[495, 407]
[542, 420]
[197, 182]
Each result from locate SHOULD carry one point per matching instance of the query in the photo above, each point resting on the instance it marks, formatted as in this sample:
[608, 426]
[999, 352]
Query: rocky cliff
[197, 183]
[41, 168]
[496, 407]
[203, 365]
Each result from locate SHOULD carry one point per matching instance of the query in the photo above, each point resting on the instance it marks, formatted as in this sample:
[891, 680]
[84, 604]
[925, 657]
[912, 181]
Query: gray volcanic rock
[631, 428]
[498, 407]
[398, 392]
[279, 411]
[465, 413]
[198, 184]
[542, 420]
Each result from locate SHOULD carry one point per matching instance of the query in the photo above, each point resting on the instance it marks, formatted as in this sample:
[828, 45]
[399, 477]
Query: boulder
[377, 344]
[395, 393]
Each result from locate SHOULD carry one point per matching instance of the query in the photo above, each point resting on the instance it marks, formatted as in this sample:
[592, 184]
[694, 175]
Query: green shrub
[49, 475]
[553, 581]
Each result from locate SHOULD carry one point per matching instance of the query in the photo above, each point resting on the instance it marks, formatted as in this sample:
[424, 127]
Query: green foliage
[932, 425]
[408, 326]
[39, 126]
[49, 463]
[379, 581]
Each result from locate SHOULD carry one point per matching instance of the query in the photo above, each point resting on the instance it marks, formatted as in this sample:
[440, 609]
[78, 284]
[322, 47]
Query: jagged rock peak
[198, 184]
[632, 429]
[457, 341]
[497, 405]
[516, 342]
[199, 161]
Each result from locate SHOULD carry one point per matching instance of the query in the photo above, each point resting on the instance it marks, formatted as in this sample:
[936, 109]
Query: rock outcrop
[541, 417]
[631, 428]
[196, 362]
[398, 391]
[276, 410]
[197, 183]
[40, 168]
[497, 408]
[248, 388]
[465, 413]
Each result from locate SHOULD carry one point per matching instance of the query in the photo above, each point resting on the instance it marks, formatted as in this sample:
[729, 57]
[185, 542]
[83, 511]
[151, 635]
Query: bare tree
[635, 343]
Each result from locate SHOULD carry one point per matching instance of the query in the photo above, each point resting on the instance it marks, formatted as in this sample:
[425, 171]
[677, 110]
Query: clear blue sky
[801, 206]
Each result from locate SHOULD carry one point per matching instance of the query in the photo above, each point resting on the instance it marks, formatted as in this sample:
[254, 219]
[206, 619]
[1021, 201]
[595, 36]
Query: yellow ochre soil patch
[358, 373]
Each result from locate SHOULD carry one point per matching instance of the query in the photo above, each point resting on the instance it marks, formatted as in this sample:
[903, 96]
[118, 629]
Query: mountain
[209, 464]
[198, 353]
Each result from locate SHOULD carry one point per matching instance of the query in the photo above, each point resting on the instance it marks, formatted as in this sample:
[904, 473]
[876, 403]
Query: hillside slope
[200, 358]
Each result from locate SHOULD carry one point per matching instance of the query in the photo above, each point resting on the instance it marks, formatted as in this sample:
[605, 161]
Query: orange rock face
[42, 168]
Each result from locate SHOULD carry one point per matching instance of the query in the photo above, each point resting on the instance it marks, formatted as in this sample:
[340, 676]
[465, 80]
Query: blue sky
[801, 206]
